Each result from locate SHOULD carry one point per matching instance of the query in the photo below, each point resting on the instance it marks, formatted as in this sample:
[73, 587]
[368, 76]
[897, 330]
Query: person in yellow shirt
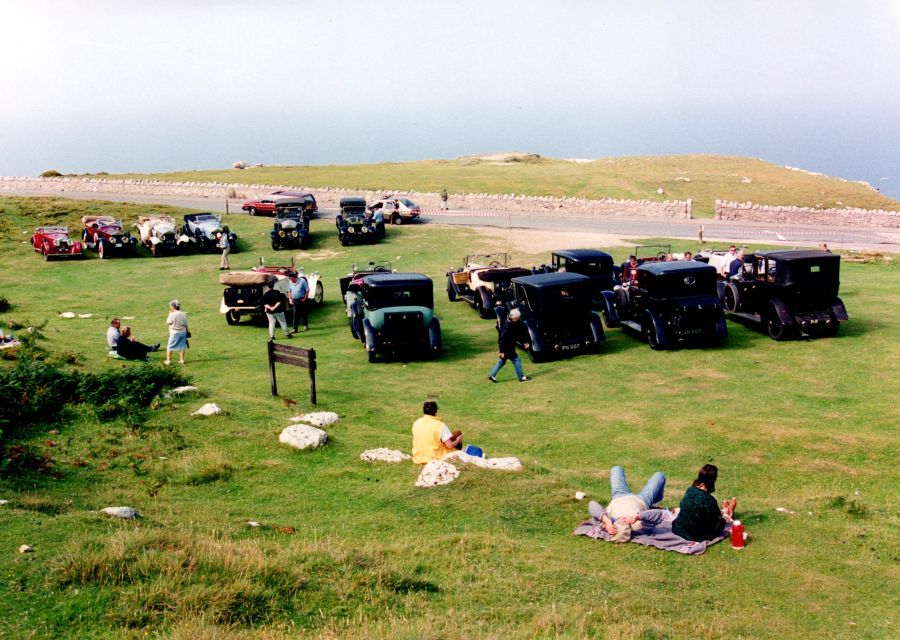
[432, 439]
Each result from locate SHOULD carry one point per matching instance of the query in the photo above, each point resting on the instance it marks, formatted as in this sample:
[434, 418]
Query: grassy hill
[804, 432]
[703, 178]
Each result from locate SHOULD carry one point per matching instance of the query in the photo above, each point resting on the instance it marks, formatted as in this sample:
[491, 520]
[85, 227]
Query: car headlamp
[294, 233]
[281, 233]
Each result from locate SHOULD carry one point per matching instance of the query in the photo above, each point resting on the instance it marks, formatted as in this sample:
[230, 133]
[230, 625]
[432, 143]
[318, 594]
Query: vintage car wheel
[319, 294]
[731, 298]
[371, 356]
[102, 249]
[352, 329]
[775, 327]
[649, 332]
[451, 292]
[275, 245]
[251, 211]
[232, 317]
[396, 219]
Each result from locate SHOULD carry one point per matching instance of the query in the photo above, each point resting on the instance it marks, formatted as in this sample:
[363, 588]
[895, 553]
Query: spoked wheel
[101, 249]
[730, 298]
[776, 328]
[649, 332]
[451, 292]
[275, 245]
[320, 293]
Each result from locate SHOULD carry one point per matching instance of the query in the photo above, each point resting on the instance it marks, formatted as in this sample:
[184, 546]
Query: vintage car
[107, 236]
[161, 235]
[203, 229]
[291, 228]
[265, 206]
[483, 281]
[790, 292]
[596, 265]
[356, 224]
[394, 314]
[244, 289]
[397, 209]
[669, 303]
[349, 294]
[556, 313]
[53, 242]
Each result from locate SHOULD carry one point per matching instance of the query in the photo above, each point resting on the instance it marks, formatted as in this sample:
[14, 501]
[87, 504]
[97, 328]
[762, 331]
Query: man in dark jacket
[509, 332]
[274, 304]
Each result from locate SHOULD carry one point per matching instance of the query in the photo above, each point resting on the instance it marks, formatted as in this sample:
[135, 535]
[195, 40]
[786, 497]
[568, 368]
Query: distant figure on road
[444, 198]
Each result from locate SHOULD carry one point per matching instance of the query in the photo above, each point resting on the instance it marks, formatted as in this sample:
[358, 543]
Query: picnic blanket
[656, 532]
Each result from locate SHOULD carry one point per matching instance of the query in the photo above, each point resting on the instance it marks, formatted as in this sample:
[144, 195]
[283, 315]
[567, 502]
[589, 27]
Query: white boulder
[4, 501]
[318, 418]
[437, 472]
[179, 390]
[25, 549]
[126, 513]
[501, 464]
[383, 454]
[303, 436]
[209, 409]
[67, 314]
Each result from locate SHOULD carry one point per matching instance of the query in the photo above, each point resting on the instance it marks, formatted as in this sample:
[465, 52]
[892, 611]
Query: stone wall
[749, 212]
[328, 197]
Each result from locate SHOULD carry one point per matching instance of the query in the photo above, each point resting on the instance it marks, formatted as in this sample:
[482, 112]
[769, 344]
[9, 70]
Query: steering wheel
[494, 263]
[662, 256]
[380, 269]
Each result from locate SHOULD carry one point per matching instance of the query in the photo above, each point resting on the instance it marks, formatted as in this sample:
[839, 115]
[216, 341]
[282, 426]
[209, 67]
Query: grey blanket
[656, 532]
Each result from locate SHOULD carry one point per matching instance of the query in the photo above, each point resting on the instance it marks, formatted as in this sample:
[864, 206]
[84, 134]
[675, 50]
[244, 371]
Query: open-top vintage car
[596, 265]
[244, 289]
[483, 281]
[265, 206]
[53, 242]
[107, 236]
[349, 294]
[394, 313]
[556, 313]
[356, 224]
[396, 209]
[668, 303]
[203, 229]
[291, 227]
[161, 235]
[789, 292]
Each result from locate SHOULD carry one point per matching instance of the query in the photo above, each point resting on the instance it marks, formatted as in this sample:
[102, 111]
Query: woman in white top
[178, 332]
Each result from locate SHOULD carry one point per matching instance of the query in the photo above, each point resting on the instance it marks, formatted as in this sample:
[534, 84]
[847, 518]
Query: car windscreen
[381, 297]
[409, 203]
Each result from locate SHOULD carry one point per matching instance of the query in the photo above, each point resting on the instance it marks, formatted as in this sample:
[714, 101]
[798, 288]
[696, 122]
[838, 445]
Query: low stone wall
[328, 197]
[747, 211]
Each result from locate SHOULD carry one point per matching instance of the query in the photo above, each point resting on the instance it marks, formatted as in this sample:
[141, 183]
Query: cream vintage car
[483, 281]
[161, 235]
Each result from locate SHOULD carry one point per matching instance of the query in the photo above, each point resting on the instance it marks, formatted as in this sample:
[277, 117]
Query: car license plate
[118, 244]
[692, 332]
[570, 347]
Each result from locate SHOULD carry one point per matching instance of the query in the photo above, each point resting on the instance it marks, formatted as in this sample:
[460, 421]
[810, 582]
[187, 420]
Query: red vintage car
[265, 206]
[53, 242]
[107, 236]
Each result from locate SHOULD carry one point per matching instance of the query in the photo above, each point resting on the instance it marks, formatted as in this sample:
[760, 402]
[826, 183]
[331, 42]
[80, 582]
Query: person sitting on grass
[700, 517]
[113, 333]
[432, 439]
[128, 347]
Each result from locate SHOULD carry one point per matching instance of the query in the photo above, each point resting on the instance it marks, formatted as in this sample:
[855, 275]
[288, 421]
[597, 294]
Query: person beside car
[432, 439]
[700, 517]
[510, 332]
[224, 244]
[737, 265]
[178, 332]
[298, 294]
[274, 304]
[688, 255]
[129, 348]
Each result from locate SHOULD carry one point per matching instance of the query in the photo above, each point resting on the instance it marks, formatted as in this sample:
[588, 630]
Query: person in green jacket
[700, 517]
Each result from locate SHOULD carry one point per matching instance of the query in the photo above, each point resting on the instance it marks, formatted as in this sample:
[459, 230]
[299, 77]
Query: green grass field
[809, 426]
[703, 178]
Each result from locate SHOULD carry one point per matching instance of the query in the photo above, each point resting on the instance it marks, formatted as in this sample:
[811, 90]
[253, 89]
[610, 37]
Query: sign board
[296, 356]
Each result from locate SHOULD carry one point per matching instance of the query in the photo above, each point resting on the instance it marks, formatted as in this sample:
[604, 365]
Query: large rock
[318, 418]
[437, 472]
[209, 409]
[383, 454]
[501, 464]
[126, 513]
[302, 436]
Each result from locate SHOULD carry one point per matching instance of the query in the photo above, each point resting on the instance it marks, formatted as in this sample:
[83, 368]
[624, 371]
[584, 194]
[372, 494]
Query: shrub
[51, 173]
[4, 304]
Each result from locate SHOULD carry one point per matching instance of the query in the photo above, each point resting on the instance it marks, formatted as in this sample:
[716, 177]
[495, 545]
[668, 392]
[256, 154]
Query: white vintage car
[161, 234]
[203, 229]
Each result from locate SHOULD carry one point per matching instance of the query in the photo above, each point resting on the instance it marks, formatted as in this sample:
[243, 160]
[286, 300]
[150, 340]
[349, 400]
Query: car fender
[501, 313]
[609, 309]
[487, 298]
[434, 335]
[597, 327]
[721, 327]
[662, 335]
[784, 313]
[224, 308]
[154, 240]
[839, 310]
[371, 336]
[534, 336]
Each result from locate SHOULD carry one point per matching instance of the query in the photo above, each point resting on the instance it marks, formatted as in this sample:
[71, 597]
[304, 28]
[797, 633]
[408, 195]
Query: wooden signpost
[297, 356]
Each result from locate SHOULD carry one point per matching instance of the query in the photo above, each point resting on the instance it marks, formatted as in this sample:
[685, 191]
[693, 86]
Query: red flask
[738, 537]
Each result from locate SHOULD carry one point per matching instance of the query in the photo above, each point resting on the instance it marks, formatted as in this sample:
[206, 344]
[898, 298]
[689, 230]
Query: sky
[95, 85]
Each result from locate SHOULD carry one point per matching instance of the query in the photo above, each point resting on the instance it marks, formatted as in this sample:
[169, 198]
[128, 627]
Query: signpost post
[297, 356]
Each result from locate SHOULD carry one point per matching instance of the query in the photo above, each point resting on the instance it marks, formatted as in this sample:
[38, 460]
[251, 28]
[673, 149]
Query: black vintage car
[393, 313]
[203, 229]
[669, 303]
[790, 292]
[556, 313]
[596, 265]
[355, 223]
[484, 281]
[291, 227]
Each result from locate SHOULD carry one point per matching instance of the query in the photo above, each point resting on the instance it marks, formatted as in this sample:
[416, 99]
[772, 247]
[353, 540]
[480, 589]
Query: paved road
[716, 231]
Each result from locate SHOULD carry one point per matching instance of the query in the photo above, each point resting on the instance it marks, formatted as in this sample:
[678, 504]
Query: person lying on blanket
[620, 517]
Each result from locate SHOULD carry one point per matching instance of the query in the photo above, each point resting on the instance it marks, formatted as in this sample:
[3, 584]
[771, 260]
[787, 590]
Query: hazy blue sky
[114, 86]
